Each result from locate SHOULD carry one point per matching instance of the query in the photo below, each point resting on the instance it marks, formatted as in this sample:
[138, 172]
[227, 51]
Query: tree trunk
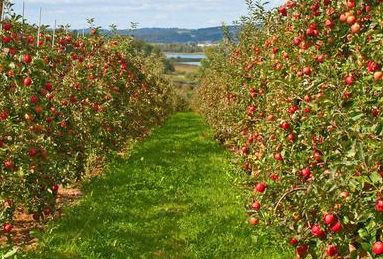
[1, 10]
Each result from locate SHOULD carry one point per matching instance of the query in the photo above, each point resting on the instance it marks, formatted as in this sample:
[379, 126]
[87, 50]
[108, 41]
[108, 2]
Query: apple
[355, 28]
[27, 58]
[332, 251]
[378, 75]
[293, 109]
[291, 137]
[7, 26]
[377, 248]
[305, 172]
[351, 19]
[9, 164]
[7, 228]
[328, 218]
[293, 241]
[283, 11]
[336, 227]
[27, 81]
[253, 221]
[260, 187]
[316, 230]
[285, 125]
[379, 205]
[302, 250]
[349, 80]
[256, 205]
[278, 157]
[33, 152]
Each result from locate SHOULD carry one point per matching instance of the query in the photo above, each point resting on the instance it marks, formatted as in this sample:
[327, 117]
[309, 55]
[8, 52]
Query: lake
[197, 57]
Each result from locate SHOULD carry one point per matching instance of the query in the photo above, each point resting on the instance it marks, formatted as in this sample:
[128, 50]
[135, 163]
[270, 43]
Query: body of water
[187, 56]
[199, 56]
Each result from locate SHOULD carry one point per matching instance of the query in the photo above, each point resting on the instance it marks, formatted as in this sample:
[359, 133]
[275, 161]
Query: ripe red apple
[332, 251]
[349, 80]
[13, 51]
[350, 4]
[7, 26]
[253, 221]
[307, 98]
[293, 109]
[7, 228]
[316, 230]
[6, 39]
[291, 137]
[302, 250]
[375, 112]
[270, 117]
[378, 75]
[245, 150]
[306, 172]
[343, 18]
[27, 81]
[34, 99]
[336, 227]
[4, 115]
[379, 205]
[285, 125]
[355, 28]
[351, 19]
[278, 157]
[283, 11]
[27, 58]
[9, 164]
[48, 86]
[372, 66]
[55, 188]
[329, 23]
[256, 205]
[306, 71]
[260, 187]
[32, 152]
[293, 241]
[377, 248]
[328, 218]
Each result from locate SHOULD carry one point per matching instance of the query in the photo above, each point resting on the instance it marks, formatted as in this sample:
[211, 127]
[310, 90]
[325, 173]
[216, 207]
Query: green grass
[174, 197]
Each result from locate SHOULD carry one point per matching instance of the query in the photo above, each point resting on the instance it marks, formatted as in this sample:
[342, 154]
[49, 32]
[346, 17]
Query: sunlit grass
[172, 198]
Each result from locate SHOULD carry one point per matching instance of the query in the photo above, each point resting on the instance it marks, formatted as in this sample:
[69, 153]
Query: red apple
[332, 251]
[377, 248]
[260, 187]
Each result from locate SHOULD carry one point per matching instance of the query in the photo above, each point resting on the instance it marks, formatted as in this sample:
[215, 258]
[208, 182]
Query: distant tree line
[180, 48]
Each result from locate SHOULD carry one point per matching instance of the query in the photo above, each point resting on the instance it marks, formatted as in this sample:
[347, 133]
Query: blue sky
[148, 13]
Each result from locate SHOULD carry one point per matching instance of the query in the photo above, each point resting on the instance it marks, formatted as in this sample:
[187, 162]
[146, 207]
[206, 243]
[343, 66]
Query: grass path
[173, 198]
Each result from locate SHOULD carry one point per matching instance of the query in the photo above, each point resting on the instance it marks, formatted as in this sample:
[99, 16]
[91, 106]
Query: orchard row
[300, 100]
[66, 100]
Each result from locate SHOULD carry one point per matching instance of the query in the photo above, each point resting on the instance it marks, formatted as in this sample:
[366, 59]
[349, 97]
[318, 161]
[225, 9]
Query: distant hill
[176, 35]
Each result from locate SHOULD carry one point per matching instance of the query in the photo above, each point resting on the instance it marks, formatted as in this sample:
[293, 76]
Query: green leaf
[352, 151]
[10, 253]
[375, 177]
[379, 129]
[357, 116]
[366, 246]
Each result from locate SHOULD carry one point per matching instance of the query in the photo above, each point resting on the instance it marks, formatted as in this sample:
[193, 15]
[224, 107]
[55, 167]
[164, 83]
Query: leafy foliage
[300, 99]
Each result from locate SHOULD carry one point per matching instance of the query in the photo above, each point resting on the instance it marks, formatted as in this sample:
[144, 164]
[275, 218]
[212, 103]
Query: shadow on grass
[171, 199]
